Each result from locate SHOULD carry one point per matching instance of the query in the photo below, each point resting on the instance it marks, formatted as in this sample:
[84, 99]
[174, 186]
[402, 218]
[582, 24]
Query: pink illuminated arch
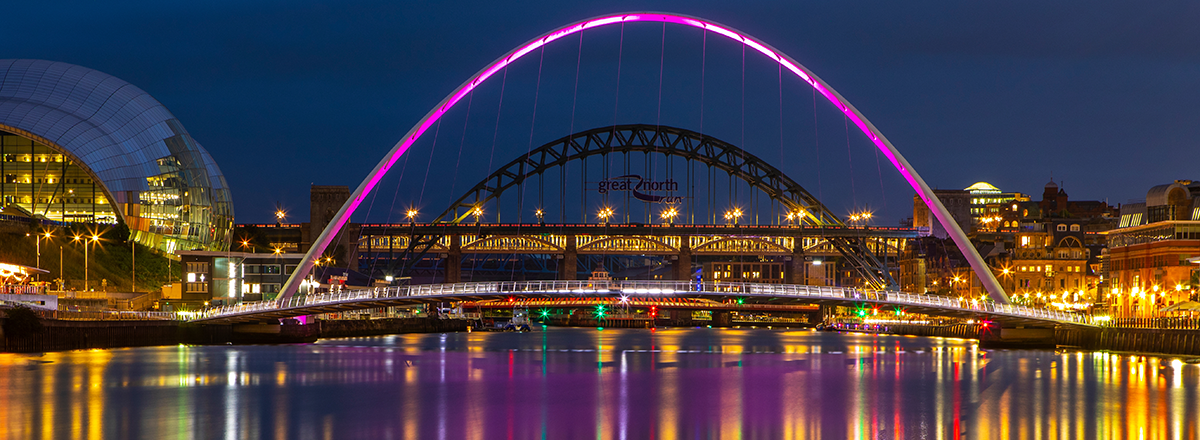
[356, 198]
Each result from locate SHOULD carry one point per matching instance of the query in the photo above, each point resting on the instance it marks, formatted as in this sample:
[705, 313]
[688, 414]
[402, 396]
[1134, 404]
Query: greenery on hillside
[108, 259]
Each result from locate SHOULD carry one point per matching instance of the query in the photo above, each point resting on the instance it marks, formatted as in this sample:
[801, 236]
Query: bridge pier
[796, 271]
[570, 261]
[1017, 337]
[454, 260]
[683, 265]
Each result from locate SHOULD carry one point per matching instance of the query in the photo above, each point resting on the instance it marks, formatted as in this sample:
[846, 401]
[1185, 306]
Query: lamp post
[669, 215]
[732, 215]
[605, 214]
[94, 239]
[38, 239]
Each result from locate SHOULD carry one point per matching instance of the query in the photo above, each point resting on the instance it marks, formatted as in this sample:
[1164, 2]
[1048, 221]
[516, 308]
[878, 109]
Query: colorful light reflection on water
[610, 384]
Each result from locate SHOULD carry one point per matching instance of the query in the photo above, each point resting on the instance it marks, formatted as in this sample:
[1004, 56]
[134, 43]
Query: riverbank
[1185, 342]
[59, 335]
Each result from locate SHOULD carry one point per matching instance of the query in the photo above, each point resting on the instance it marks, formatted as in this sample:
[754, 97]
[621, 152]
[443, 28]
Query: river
[560, 383]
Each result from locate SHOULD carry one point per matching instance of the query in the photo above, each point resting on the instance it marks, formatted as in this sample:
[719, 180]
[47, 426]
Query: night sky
[1102, 95]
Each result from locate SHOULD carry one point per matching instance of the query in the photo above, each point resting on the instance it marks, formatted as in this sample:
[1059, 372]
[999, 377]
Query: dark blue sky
[1102, 94]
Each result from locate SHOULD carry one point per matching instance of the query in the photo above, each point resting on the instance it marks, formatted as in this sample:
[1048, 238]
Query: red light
[511, 299]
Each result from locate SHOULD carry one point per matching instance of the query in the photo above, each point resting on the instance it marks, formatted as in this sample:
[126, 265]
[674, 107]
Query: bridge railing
[602, 287]
[1164, 323]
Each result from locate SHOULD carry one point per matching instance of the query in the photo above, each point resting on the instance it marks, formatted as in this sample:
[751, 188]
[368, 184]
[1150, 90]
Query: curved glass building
[77, 145]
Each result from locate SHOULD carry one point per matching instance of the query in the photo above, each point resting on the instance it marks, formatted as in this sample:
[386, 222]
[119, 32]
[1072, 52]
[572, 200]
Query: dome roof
[114, 130]
[982, 186]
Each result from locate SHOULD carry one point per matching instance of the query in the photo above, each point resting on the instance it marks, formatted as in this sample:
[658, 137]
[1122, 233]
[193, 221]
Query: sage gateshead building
[82, 146]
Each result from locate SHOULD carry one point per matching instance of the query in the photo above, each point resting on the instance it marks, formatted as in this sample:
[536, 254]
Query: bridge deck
[750, 292]
[638, 229]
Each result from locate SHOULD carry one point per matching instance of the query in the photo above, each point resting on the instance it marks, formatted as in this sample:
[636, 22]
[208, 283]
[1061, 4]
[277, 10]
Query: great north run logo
[640, 187]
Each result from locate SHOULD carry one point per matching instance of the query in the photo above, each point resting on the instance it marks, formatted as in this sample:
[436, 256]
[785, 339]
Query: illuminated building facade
[77, 145]
[974, 207]
[1150, 256]
[1049, 265]
[232, 276]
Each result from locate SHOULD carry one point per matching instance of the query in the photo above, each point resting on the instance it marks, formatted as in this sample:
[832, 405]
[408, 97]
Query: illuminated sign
[641, 187]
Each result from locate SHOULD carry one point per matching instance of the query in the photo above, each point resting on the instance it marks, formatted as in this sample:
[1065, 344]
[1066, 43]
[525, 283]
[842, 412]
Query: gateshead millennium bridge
[682, 234]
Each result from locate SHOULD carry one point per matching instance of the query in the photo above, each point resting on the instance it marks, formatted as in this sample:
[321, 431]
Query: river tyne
[560, 383]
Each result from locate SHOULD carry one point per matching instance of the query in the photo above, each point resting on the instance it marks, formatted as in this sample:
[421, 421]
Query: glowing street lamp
[541, 216]
[669, 214]
[733, 215]
[411, 215]
[605, 214]
[38, 238]
[795, 217]
[95, 238]
[477, 212]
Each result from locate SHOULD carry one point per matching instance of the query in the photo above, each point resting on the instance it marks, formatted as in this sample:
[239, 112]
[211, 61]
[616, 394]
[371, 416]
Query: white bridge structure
[751, 293]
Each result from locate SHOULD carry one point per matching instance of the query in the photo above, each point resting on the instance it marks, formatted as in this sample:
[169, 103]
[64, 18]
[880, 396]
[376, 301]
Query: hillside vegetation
[109, 259]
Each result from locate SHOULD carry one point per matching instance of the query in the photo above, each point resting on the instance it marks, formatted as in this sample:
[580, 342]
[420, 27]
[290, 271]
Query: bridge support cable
[982, 270]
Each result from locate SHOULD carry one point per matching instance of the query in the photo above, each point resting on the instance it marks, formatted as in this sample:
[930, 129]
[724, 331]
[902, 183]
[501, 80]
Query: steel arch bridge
[358, 196]
[646, 138]
[668, 141]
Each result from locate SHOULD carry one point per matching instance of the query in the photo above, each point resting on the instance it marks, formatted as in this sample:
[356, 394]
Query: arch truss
[668, 141]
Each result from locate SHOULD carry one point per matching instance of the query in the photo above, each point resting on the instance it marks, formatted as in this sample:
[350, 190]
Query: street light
[94, 239]
[669, 214]
[733, 215]
[38, 238]
[541, 216]
[796, 217]
[605, 213]
[477, 212]
[411, 215]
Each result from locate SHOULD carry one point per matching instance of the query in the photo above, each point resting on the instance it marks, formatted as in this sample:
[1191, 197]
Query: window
[270, 268]
[1074, 228]
[195, 287]
[197, 266]
[1061, 228]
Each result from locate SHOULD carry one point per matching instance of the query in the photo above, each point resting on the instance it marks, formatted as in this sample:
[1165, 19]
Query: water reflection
[611, 384]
